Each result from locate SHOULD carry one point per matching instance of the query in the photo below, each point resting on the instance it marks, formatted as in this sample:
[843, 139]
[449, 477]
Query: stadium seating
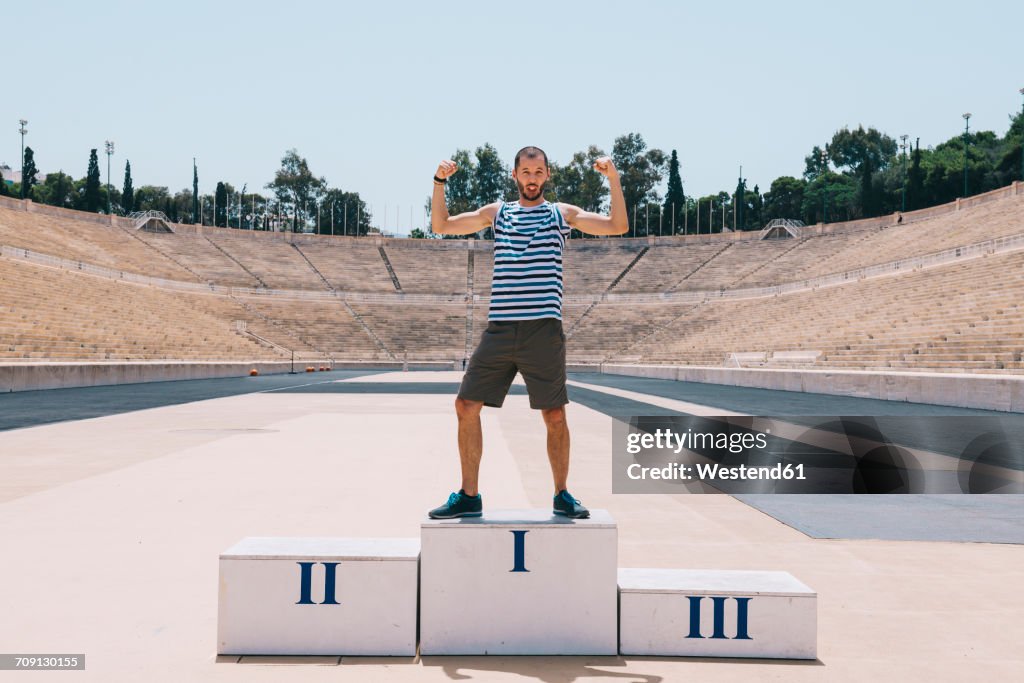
[590, 266]
[652, 300]
[102, 245]
[54, 314]
[965, 316]
[417, 331]
[326, 326]
[209, 263]
[443, 271]
[274, 262]
[350, 264]
[666, 267]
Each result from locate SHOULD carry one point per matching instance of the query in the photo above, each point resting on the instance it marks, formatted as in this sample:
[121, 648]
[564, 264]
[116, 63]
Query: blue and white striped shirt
[528, 244]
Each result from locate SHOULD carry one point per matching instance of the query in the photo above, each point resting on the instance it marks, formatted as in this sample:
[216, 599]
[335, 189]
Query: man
[524, 329]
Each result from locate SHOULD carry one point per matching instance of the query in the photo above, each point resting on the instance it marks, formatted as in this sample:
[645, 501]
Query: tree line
[858, 173]
[297, 200]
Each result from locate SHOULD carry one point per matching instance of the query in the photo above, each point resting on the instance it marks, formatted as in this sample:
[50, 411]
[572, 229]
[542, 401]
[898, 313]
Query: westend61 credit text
[738, 454]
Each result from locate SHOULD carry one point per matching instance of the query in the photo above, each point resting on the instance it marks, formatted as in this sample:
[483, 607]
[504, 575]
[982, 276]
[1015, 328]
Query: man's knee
[465, 408]
[553, 417]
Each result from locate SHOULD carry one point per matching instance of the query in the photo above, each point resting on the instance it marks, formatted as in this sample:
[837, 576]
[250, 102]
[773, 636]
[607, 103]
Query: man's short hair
[531, 152]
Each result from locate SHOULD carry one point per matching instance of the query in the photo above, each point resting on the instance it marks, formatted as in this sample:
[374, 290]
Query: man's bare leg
[471, 443]
[558, 445]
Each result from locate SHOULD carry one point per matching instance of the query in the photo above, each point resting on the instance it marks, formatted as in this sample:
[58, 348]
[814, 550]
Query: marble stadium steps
[47, 313]
[81, 240]
[349, 264]
[276, 263]
[203, 258]
[962, 316]
[943, 317]
[416, 331]
[433, 269]
[324, 326]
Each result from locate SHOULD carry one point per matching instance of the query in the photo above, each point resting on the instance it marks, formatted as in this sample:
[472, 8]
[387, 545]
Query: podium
[520, 582]
[512, 582]
[318, 596]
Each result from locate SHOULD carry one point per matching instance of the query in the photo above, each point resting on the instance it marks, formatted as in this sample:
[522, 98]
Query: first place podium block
[521, 582]
[318, 596]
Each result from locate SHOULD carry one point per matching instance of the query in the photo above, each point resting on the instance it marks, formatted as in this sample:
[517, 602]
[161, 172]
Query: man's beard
[536, 194]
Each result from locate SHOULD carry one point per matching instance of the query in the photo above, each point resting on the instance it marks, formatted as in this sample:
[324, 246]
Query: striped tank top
[528, 244]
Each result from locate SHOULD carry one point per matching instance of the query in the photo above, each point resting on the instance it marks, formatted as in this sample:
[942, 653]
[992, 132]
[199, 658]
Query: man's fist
[446, 168]
[604, 166]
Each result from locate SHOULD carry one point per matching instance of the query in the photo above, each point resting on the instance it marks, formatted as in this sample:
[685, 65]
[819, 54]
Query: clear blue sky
[374, 94]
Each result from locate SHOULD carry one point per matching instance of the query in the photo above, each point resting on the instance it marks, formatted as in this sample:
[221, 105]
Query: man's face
[531, 175]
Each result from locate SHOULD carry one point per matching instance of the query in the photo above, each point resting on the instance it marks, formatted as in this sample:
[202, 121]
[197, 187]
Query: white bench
[808, 357]
[318, 596]
[740, 358]
[522, 582]
[716, 613]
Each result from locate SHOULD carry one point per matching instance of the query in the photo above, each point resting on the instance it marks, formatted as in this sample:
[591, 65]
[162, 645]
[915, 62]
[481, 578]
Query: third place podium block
[523, 582]
[716, 613]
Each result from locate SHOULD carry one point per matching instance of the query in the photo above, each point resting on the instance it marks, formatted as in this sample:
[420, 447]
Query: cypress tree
[741, 203]
[195, 192]
[92, 184]
[867, 195]
[28, 174]
[221, 199]
[128, 194]
[675, 200]
[61, 189]
[758, 207]
[915, 180]
[171, 209]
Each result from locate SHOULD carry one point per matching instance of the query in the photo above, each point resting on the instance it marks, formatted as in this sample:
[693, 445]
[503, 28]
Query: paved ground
[115, 502]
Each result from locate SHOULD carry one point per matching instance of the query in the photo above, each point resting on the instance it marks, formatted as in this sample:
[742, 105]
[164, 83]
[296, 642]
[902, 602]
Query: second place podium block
[523, 582]
[318, 596]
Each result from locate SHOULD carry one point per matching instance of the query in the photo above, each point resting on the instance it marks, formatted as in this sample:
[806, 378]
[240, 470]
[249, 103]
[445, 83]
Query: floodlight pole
[967, 131]
[737, 211]
[22, 129]
[109, 146]
[824, 187]
[1022, 138]
[903, 146]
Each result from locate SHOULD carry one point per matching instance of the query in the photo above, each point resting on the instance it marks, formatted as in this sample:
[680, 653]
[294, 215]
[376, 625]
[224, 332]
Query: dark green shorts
[534, 348]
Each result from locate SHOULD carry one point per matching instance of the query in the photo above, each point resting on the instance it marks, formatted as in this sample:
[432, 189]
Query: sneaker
[459, 505]
[566, 505]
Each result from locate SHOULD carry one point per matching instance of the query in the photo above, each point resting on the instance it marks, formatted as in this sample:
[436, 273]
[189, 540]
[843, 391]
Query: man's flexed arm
[617, 223]
[462, 224]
